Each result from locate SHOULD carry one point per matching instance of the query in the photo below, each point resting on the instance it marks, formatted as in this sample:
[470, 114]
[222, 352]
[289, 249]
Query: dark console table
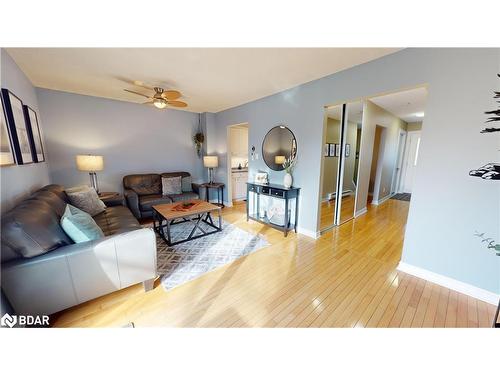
[289, 196]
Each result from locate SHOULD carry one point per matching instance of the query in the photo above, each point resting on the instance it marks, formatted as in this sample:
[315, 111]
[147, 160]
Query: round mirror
[279, 144]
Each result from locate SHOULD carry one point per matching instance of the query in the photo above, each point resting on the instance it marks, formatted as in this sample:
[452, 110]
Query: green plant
[198, 139]
[289, 164]
[490, 242]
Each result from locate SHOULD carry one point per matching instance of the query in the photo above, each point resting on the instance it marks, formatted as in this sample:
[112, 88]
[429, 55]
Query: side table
[220, 191]
[111, 198]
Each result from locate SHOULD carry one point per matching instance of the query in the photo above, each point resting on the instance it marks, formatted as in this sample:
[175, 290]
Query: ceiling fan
[162, 98]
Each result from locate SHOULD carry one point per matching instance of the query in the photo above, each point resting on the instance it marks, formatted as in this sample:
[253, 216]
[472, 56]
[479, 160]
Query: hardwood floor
[327, 208]
[346, 278]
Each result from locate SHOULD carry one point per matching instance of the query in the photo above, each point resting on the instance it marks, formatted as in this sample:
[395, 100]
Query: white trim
[363, 211]
[308, 233]
[448, 282]
[380, 201]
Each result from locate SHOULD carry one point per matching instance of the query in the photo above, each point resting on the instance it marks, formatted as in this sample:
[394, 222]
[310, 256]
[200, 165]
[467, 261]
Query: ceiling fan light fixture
[159, 103]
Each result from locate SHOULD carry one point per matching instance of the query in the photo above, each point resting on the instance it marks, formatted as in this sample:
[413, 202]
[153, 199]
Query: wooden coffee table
[165, 215]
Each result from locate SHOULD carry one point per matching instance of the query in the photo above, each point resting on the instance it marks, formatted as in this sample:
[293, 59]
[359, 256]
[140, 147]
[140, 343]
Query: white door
[397, 183]
[410, 160]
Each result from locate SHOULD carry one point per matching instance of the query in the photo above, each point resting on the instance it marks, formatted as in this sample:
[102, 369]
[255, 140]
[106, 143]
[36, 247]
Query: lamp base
[93, 181]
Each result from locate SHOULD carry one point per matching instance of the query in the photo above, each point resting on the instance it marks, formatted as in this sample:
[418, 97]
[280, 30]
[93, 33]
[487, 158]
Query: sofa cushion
[187, 184]
[183, 197]
[116, 219]
[52, 199]
[79, 225]
[146, 202]
[86, 199]
[143, 184]
[30, 229]
[171, 185]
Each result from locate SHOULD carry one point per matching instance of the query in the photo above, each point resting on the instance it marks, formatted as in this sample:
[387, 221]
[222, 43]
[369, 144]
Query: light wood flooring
[347, 278]
[328, 208]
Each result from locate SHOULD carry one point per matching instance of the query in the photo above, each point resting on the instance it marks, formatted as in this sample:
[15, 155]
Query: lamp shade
[279, 159]
[211, 161]
[89, 163]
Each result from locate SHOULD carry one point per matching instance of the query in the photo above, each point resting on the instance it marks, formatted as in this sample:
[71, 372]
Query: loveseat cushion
[116, 219]
[183, 197]
[146, 202]
[143, 184]
[52, 199]
[32, 228]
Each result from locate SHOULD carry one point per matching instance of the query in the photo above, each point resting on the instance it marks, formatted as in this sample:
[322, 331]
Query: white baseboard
[382, 200]
[363, 211]
[308, 233]
[448, 282]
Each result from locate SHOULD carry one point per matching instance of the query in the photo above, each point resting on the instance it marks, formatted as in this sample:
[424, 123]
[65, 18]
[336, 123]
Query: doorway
[237, 165]
[396, 184]
[374, 188]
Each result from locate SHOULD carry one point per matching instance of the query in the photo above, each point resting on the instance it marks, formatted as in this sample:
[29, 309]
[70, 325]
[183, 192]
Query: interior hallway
[346, 278]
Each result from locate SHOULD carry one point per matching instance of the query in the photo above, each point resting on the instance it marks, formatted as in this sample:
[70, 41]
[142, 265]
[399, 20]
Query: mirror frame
[294, 139]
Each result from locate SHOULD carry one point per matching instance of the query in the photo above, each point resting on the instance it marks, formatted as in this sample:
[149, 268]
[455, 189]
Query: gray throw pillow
[86, 199]
[187, 184]
[171, 185]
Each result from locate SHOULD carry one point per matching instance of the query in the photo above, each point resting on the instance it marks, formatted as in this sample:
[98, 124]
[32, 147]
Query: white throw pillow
[86, 199]
[171, 185]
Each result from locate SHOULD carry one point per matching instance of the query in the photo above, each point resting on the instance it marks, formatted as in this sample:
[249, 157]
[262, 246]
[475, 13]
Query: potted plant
[289, 165]
[198, 139]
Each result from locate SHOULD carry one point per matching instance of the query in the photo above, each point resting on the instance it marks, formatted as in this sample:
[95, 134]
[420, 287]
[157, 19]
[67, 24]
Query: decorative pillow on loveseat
[79, 225]
[86, 199]
[171, 185]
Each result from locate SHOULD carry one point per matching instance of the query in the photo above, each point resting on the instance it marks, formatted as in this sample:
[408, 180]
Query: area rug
[402, 197]
[181, 263]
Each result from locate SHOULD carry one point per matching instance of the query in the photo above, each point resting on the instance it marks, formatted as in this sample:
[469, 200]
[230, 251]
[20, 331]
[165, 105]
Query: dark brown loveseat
[142, 191]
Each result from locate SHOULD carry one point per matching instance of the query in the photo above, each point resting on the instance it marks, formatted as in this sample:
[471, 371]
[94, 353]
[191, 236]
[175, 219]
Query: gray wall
[447, 205]
[19, 181]
[133, 138]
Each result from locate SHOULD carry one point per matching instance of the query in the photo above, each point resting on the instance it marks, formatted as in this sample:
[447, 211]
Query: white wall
[133, 138]
[18, 181]
[447, 205]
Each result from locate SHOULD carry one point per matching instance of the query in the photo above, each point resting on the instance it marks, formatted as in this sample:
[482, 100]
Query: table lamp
[91, 164]
[211, 162]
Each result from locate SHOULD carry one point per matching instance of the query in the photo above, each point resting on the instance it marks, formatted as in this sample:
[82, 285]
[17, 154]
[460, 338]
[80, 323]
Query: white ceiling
[404, 104]
[211, 79]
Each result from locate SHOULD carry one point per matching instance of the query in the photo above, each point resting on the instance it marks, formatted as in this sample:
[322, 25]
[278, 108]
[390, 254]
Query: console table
[289, 196]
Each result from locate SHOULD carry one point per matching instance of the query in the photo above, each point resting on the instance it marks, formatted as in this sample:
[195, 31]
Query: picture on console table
[6, 148]
[18, 127]
[36, 138]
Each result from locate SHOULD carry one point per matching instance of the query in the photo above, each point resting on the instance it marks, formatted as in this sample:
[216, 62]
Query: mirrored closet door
[342, 135]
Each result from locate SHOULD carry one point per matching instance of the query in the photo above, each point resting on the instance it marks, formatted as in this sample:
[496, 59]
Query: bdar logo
[8, 320]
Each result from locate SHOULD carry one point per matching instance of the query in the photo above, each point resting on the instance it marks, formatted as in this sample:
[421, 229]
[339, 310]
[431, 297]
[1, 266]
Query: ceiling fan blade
[176, 103]
[137, 93]
[171, 94]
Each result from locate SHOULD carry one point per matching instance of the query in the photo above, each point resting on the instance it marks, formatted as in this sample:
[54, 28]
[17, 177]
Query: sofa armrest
[79, 272]
[132, 200]
[196, 188]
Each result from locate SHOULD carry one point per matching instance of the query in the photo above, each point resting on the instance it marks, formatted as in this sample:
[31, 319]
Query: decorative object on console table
[6, 147]
[220, 191]
[257, 194]
[31, 120]
[211, 162]
[289, 165]
[91, 164]
[19, 132]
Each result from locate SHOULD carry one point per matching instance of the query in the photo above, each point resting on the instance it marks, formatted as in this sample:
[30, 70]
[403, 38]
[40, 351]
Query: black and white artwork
[490, 171]
[35, 136]
[331, 149]
[18, 127]
[326, 150]
[494, 115]
[6, 149]
[337, 150]
[347, 150]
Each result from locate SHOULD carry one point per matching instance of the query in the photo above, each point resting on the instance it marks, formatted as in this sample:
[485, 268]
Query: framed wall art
[19, 130]
[6, 148]
[33, 126]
